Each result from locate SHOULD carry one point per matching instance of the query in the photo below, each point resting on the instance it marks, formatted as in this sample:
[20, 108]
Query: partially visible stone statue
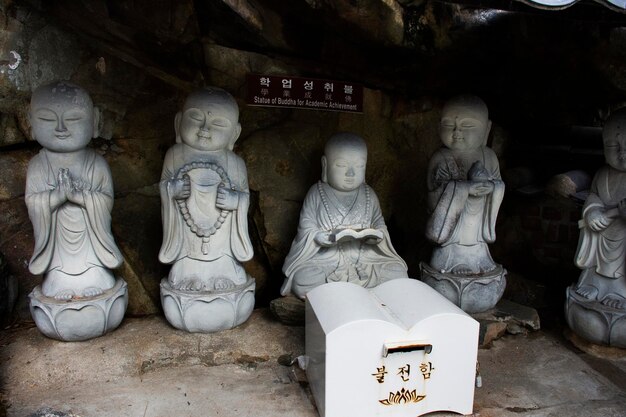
[205, 199]
[69, 194]
[342, 234]
[596, 305]
[464, 195]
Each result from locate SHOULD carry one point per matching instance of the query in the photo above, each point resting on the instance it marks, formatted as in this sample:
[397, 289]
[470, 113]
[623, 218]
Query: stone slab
[146, 368]
[31, 361]
[241, 390]
[507, 317]
[540, 375]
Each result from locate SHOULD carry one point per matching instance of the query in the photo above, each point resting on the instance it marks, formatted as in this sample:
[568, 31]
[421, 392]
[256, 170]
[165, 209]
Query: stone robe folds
[460, 223]
[230, 243]
[71, 239]
[379, 262]
[604, 250]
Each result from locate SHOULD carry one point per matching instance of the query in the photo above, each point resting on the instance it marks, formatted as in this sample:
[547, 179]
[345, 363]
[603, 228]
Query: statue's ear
[324, 169]
[177, 120]
[487, 131]
[236, 133]
[96, 121]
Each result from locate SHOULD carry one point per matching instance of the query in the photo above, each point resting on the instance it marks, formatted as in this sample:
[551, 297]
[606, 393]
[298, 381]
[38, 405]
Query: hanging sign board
[304, 93]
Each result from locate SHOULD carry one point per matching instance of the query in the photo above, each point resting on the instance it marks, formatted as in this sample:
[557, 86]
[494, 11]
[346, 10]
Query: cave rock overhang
[618, 5]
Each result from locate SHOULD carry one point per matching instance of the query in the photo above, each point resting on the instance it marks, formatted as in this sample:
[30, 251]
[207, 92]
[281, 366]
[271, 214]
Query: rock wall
[139, 59]
[282, 149]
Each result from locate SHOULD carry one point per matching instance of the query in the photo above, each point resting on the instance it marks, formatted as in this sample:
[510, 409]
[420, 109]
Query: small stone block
[594, 349]
[522, 315]
[289, 310]
[490, 330]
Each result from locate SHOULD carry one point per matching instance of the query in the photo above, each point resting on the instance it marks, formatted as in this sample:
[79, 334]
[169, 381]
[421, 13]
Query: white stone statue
[596, 305]
[464, 195]
[342, 234]
[205, 199]
[69, 195]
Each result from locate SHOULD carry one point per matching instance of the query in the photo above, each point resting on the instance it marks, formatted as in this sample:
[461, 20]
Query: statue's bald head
[62, 117]
[209, 120]
[464, 124]
[344, 162]
[345, 141]
[469, 105]
[216, 97]
[60, 93]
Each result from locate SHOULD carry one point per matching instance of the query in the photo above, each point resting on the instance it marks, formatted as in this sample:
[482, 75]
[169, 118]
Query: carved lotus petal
[207, 311]
[82, 324]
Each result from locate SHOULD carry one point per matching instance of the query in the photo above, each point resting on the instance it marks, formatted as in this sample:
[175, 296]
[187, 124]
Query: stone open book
[350, 234]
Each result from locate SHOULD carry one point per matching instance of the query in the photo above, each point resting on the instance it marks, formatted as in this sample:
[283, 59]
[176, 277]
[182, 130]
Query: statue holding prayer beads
[464, 195]
[204, 200]
[596, 305]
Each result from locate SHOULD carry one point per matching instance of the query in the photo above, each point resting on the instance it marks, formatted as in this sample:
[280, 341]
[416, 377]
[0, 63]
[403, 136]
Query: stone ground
[147, 369]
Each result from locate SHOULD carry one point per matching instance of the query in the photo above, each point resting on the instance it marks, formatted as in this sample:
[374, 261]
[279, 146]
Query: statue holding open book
[342, 234]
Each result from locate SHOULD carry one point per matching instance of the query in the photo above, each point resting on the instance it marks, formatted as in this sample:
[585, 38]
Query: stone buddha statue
[204, 200]
[341, 234]
[596, 305]
[464, 195]
[69, 195]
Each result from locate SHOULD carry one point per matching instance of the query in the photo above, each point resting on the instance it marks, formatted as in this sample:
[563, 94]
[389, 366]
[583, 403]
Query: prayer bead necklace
[203, 233]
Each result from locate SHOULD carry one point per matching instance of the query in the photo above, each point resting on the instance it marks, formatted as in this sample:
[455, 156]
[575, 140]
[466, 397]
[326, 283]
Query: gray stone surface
[229, 390]
[541, 375]
[146, 368]
[139, 346]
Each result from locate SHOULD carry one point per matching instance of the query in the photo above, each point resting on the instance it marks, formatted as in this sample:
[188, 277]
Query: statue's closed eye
[220, 122]
[195, 115]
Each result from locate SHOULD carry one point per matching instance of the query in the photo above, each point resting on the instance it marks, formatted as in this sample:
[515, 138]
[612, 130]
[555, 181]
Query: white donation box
[400, 349]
